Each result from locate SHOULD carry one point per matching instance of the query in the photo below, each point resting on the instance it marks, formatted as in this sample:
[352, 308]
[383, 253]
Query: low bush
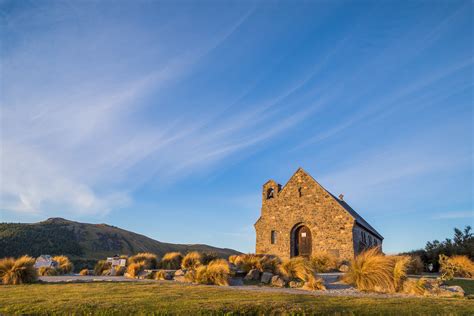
[18, 271]
[301, 269]
[400, 268]
[414, 286]
[233, 258]
[216, 272]
[371, 271]
[149, 260]
[65, 266]
[162, 275]
[207, 257]
[48, 271]
[171, 261]
[119, 271]
[324, 262]
[456, 266]
[84, 272]
[263, 263]
[101, 266]
[192, 260]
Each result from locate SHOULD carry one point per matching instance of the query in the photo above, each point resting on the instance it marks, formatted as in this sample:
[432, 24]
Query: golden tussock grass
[371, 271]
[18, 271]
[263, 263]
[149, 260]
[192, 260]
[119, 271]
[302, 269]
[416, 265]
[171, 261]
[64, 264]
[161, 275]
[400, 268]
[47, 271]
[216, 272]
[414, 286]
[84, 272]
[101, 266]
[324, 262]
[135, 268]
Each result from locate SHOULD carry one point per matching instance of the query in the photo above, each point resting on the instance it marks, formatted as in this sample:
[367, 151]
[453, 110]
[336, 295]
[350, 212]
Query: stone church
[302, 217]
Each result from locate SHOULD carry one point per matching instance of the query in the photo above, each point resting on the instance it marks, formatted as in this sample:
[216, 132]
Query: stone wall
[303, 201]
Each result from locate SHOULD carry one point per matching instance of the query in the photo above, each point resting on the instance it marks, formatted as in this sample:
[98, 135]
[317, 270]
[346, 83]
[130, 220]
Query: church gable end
[302, 217]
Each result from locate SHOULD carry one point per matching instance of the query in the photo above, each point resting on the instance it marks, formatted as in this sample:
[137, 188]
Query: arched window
[270, 193]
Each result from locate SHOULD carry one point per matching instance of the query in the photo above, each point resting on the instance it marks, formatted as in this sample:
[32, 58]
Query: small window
[273, 237]
[300, 192]
[270, 194]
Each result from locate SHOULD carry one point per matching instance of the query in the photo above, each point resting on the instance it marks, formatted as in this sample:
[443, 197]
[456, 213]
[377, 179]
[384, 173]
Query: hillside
[84, 243]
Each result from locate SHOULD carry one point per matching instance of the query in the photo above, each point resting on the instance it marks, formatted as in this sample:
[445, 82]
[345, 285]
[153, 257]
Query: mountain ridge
[85, 243]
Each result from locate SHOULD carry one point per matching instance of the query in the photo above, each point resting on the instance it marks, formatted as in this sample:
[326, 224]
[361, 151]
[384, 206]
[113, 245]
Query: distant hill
[85, 243]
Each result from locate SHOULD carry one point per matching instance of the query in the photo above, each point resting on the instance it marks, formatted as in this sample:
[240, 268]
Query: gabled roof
[359, 220]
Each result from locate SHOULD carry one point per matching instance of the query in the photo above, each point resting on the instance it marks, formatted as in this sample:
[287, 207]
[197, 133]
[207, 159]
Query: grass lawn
[167, 297]
[467, 285]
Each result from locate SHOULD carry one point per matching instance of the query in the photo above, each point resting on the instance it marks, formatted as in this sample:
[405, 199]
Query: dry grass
[161, 275]
[416, 265]
[371, 271]
[233, 258]
[456, 266]
[149, 260]
[47, 271]
[101, 266]
[84, 272]
[119, 271]
[192, 260]
[301, 269]
[64, 264]
[414, 286]
[216, 272]
[135, 268]
[263, 263]
[400, 270]
[324, 262]
[18, 271]
[171, 261]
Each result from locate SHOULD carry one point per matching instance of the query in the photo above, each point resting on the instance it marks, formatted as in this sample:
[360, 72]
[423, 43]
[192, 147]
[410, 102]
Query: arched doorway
[301, 241]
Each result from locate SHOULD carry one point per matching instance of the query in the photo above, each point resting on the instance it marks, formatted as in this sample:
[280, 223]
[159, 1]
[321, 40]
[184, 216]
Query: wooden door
[303, 242]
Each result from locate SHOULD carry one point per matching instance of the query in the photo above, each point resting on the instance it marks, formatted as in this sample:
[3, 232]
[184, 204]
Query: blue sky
[166, 117]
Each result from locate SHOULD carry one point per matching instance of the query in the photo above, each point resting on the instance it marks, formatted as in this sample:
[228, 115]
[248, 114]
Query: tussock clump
[217, 272]
[233, 258]
[416, 265]
[18, 271]
[400, 271]
[207, 257]
[171, 261]
[119, 271]
[192, 260]
[371, 271]
[149, 260]
[162, 275]
[135, 268]
[64, 264]
[84, 272]
[301, 269]
[101, 266]
[47, 271]
[324, 262]
[414, 286]
[456, 266]
[263, 263]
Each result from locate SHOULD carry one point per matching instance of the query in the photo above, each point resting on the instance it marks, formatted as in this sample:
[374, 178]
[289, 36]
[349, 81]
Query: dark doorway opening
[302, 242]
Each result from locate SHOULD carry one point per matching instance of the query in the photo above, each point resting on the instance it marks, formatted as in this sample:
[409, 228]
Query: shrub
[171, 261]
[101, 266]
[84, 272]
[371, 271]
[161, 275]
[456, 266]
[119, 271]
[149, 260]
[135, 268]
[217, 272]
[416, 265]
[64, 264]
[314, 282]
[47, 271]
[233, 258]
[192, 260]
[207, 257]
[262, 263]
[301, 269]
[324, 262]
[18, 271]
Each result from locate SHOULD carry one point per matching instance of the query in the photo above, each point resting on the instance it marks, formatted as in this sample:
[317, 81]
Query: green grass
[467, 285]
[168, 297]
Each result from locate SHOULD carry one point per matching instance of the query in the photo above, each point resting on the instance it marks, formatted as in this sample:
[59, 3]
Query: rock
[295, 284]
[146, 274]
[277, 281]
[253, 274]
[179, 273]
[236, 282]
[343, 267]
[266, 277]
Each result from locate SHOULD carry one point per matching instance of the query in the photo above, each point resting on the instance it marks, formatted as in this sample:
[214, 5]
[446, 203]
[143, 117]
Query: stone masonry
[334, 227]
